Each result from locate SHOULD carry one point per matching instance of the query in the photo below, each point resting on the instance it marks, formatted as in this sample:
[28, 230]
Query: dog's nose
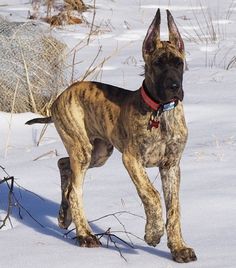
[175, 86]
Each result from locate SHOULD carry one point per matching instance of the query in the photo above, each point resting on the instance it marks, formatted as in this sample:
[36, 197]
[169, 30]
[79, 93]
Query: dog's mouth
[178, 97]
[172, 96]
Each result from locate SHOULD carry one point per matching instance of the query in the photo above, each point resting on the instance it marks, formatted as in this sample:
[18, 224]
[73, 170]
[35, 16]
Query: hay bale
[31, 67]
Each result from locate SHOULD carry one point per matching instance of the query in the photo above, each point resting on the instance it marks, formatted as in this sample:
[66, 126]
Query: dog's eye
[159, 62]
[178, 62]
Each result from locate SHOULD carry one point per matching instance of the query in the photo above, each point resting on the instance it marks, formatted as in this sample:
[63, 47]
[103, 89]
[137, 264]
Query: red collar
[155, 106]
[151, 103]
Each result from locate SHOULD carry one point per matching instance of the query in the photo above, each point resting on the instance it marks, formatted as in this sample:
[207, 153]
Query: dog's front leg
[150, 198]
[171, 181]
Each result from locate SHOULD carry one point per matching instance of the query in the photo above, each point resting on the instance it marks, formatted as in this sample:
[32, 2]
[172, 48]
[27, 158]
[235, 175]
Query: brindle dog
[147, 126]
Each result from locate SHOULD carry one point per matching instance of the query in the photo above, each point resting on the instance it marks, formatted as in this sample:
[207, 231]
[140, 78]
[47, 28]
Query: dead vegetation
[232, 63]
[63, 17]
[14, 206]
[32, 67]
[65, 12]
[76, 5]
[13, 201]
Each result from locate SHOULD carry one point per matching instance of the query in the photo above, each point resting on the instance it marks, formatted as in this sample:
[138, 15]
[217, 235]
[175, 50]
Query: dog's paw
[184, 255]
[89, 241]
[154, 237]
[64, 217]
[154, 230]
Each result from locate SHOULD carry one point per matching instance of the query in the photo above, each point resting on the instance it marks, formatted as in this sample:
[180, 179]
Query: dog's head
[164, 61]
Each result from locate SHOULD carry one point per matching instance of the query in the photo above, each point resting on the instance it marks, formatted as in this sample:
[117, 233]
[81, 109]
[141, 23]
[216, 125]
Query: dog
[147, 126]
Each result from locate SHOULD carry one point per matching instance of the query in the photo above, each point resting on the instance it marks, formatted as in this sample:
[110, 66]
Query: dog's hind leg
[102, 150]
[80, 157]
[100, 153]
[64, 216]
[79, 149]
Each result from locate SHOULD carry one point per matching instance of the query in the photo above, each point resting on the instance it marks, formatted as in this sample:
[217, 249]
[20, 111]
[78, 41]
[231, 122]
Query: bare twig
[109, 215]
[9, 207]
[117, 213]
[35, 10]
[12, 111]
[5, 180]
[110, 237]
[42, 133]
[231, 63]
[230, 10]
[73, 67]
[28, 80]
[90, 69]
[99, 66]
[129, 233]
[92, 24]
[14, 201]
[76, 5]
[49, 4]
[52, 152]
[26, 190]
[119, 221]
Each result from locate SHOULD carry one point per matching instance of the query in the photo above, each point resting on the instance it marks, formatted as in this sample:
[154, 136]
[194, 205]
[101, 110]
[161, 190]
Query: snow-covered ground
[208, 185]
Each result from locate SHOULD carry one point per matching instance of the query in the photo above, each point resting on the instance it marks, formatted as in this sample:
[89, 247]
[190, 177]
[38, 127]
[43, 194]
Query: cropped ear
[153, 35]
[174, 35]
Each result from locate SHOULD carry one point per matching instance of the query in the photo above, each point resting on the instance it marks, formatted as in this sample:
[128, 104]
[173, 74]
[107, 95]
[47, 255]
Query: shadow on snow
[44, 210]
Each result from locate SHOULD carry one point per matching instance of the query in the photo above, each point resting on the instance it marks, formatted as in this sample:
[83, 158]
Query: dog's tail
[40, 120]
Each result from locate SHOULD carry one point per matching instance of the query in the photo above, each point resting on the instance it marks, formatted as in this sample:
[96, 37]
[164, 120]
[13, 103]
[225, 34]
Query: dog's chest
[152, 152]
[160, 143]
[151, 146]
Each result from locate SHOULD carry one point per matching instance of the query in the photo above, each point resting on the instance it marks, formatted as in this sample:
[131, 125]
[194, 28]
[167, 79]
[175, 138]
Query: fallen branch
[9, 207]
[129, 233]
[13, 201]
[52, 152]
[111, 234]
[109, 215]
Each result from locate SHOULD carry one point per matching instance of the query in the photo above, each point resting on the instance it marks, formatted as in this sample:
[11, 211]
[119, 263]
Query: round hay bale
[31, 67]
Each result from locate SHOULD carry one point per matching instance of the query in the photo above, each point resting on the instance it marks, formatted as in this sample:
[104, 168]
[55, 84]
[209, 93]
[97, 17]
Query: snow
[208, 200]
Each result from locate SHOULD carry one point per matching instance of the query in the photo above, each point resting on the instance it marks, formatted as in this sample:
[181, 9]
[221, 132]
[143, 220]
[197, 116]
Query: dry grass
[34, 61]
[63, 18]
[77, 5]
[206, 29]
[66, 13]
[232, 63]
[10, 123]
[206, 24]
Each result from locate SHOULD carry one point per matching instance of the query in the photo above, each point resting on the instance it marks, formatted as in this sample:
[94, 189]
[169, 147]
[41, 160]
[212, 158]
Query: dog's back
[97, 107]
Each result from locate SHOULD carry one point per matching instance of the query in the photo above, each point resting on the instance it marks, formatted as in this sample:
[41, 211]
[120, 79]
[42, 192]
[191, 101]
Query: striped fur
[92, 118]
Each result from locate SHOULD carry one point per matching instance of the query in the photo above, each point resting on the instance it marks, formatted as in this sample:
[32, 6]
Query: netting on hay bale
[31, 68]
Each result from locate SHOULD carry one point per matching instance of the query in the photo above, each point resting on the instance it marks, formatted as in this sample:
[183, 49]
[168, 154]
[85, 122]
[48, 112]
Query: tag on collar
[169, 106]
[154, 120]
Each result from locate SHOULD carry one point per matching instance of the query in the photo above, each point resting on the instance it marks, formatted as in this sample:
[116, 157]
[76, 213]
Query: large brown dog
[147, 126]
